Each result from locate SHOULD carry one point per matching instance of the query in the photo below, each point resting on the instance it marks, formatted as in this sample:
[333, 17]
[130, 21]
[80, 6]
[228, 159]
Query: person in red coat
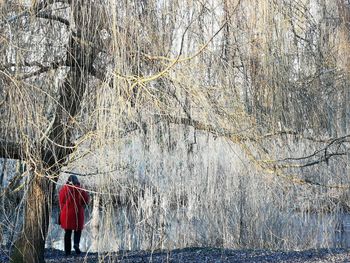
[72, 200]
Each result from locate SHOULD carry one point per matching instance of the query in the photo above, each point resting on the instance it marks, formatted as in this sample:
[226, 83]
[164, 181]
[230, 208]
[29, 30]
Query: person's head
[73, 180]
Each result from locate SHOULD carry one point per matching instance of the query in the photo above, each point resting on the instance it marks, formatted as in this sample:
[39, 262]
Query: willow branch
[10, 150]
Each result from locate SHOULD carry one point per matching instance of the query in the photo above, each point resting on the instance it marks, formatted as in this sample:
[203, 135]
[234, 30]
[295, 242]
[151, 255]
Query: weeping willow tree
[268, 78]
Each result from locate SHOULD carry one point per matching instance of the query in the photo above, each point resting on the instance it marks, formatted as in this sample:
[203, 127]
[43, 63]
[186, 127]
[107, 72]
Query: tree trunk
[95, 222]
[2, 173]
[242, 219]
[80, 56]
[29, 248]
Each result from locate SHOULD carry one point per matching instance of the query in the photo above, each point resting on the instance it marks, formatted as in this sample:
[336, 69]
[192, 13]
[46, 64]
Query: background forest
[221, 123]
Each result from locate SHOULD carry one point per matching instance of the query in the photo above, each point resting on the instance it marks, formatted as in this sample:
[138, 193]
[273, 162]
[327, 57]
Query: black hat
[72, 179]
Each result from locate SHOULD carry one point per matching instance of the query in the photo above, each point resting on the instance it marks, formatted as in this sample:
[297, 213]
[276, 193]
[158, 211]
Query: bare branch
[42, 68]
[53, 17]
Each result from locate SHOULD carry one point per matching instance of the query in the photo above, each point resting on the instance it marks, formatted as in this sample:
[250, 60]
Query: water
[311, 231]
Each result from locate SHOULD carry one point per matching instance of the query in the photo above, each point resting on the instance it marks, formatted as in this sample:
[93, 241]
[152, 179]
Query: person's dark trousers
[68, 241]
[77, 235]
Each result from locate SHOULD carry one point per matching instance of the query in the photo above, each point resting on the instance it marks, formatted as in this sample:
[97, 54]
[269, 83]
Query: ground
[209, 255]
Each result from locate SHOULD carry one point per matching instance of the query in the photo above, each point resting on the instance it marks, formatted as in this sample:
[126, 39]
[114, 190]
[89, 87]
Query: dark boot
[68, 242]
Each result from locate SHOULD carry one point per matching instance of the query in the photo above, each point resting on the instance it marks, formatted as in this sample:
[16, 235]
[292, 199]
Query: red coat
[72, 202]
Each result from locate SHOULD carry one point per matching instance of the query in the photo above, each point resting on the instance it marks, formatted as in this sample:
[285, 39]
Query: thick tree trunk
[29, 248]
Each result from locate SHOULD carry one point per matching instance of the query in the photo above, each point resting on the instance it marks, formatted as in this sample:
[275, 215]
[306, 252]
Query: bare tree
[78, 73]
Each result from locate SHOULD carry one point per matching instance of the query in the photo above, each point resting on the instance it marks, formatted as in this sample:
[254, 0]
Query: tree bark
[2, 172]
[29, 248]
